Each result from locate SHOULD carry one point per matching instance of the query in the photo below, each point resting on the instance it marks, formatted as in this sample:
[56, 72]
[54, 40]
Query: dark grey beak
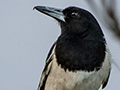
[52, 12]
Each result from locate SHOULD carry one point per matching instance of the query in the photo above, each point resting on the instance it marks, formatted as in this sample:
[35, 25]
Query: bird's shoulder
[47, 68]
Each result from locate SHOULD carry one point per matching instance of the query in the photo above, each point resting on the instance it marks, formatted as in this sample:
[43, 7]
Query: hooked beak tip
[52, 12]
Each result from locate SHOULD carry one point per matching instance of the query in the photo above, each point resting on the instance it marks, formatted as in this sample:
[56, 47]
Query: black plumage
[80, 47]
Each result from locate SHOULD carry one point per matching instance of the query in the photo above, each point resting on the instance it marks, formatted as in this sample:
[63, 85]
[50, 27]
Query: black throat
[79, 53]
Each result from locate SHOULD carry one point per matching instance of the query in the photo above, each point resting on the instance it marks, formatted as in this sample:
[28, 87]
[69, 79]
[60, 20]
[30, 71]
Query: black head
[75, 21]
[81, 22]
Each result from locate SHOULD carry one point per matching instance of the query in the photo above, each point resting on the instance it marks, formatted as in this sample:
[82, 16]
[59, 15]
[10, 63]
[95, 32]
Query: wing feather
[105, 82]
[47, 68]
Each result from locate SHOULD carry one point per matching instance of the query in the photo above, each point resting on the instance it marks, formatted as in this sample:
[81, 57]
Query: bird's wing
[108, 54]
[105, 82]
[47, 68]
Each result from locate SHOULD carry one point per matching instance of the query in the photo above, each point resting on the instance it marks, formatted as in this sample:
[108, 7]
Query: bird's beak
[52, 12]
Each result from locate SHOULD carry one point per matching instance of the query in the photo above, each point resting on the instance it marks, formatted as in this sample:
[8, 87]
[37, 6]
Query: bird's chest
[79, 54]
[68, 53]
[59, 79]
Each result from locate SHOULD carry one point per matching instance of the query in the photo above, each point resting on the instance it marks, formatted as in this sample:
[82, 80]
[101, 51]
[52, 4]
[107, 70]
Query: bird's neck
[71, 49]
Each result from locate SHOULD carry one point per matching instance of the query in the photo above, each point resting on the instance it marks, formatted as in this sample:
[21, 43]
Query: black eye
[74, 14]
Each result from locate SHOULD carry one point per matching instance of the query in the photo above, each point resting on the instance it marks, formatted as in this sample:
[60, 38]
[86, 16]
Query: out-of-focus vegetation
[107, 11]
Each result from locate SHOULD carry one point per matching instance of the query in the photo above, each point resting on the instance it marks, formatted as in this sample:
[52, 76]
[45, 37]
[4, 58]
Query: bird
[80, 58]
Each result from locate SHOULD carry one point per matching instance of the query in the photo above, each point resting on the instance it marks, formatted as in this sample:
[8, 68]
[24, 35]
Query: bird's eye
[74, 14]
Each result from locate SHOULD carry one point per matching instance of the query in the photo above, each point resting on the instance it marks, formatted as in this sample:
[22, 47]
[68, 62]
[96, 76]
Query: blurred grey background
[27, 35]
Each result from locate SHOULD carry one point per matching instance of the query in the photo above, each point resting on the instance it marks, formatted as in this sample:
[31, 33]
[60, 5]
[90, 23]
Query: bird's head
[73, 20]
